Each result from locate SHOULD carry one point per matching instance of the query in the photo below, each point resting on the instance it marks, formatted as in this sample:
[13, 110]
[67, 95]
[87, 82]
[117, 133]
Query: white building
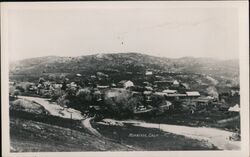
[168, 91]
[148, 73]
[176, 82]
[193, 94]
[236, 108]
[126, 84]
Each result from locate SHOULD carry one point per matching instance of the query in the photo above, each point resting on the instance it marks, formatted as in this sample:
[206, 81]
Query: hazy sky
[77, 30]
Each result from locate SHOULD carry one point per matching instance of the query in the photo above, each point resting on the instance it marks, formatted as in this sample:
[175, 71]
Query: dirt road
[86, 124]
[55, 109]
[219, 138]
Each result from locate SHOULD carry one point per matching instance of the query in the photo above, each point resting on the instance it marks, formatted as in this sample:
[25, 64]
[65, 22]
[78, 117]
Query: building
[176, 83]
[202, 101]
[236, 108]
[126, 84]
[12, 83]
[102, 87]
[149, 73]
[149, 88]
[168, 91]
[193, 94]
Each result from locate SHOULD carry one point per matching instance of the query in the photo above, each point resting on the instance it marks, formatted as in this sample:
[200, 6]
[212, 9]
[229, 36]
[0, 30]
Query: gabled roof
[149, 88]
[102, 87]
[236, 108]
[169, 91]
[123, 81]
[193, 93]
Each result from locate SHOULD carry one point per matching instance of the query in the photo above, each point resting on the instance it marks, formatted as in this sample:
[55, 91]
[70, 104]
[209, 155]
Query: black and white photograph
[147, 77]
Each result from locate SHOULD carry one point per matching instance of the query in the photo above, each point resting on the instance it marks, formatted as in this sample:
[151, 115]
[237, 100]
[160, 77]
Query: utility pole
[71, 124]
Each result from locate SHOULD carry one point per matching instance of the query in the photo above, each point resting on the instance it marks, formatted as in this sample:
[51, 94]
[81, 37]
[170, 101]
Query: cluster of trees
[120, 105]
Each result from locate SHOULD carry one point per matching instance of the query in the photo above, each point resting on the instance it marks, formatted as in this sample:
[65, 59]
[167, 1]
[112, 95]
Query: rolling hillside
[134, 63]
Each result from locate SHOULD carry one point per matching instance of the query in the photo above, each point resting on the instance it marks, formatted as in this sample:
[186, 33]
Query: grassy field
[151, 139]
[32, 136]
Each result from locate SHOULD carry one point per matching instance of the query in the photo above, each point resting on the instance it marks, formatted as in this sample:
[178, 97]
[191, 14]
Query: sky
[84, 29]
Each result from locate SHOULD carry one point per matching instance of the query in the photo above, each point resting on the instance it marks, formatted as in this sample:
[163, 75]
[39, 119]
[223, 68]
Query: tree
[84, 93]
[122, 104]
[212, 91]
[16, 93]
[41, 80]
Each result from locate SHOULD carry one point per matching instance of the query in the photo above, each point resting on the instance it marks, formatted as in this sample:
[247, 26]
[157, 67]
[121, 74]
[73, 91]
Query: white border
[244, 72]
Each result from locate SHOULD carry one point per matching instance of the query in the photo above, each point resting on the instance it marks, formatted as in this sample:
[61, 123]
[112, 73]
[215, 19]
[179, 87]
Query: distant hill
[122, 63]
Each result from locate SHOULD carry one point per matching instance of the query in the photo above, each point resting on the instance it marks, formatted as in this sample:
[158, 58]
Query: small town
[106, 106]
[169, 91]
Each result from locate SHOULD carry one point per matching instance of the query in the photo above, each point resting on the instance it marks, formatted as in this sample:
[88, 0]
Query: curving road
[219, 138]
[55, 109]
[86, 124]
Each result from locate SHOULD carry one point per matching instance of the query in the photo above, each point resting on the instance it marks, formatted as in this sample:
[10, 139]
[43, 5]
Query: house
[176, 83]
[100, 74]
[147, 92]
[234, 92]
[126, 84]
[149, 73]
[193, 94]
[168, 91]
[93, 77]
[204, 101]
[113, 85]
[184, 86]
[149, 88]
[72, 84]
[32, 88]
[236, 108]
[12, 83]
[102, 87]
